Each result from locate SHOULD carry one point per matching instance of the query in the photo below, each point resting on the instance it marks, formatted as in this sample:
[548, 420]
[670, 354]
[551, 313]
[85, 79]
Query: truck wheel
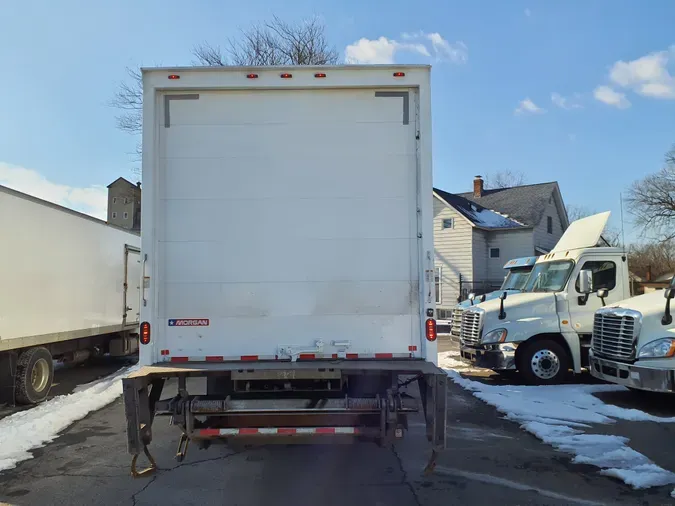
[543, 362]
[34, 375]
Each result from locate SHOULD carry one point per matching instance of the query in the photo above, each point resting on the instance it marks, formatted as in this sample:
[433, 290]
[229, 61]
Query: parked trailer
[288, 256]
[70, 289]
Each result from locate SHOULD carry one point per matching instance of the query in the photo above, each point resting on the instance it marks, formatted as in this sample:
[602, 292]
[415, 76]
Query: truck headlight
[494, 336]
[661, 348]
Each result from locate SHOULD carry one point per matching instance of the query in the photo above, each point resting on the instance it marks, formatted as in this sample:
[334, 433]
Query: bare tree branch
[657, 258]
[129, 98]
[652, 201]
[504, 179]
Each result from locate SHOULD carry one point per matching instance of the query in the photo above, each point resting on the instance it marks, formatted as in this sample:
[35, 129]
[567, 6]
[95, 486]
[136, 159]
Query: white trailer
[288, 254]
[70, 288]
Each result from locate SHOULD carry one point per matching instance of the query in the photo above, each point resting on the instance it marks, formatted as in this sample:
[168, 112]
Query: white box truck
[634, 342]
[288, 255]
[546, 330]
[70, 289]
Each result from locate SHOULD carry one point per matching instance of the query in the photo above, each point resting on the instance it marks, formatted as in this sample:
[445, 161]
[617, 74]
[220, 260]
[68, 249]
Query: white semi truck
[70, 289]
[546, 330]
[287, 256]
[634, 342]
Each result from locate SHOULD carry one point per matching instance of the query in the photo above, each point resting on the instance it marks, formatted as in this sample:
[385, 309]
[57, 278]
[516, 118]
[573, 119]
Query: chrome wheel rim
[545, 364]
[39, 375]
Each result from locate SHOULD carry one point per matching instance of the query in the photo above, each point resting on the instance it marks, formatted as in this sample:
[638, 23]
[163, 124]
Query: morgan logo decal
[189, 322]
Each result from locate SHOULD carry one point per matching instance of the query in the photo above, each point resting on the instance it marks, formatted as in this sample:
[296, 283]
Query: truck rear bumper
[286, 416]
[629, 375]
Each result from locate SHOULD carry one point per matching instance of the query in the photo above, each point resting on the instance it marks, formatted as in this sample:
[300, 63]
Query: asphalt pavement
[489, 460]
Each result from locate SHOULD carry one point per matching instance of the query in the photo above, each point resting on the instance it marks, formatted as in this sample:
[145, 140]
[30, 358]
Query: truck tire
[34, 375]
[543, 362]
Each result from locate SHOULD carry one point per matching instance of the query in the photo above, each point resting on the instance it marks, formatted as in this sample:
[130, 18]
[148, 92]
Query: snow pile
[33, 428]
[559, 414]
[451, 360]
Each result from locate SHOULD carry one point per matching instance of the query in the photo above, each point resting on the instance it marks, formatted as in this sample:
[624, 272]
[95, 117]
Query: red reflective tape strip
[248, 432]
[286, 430]
[352, 355]
[307, 356]
[179, 359]
[325, 430]
[214, 359]
[209, 432]
[248, 358]
[384, 355]
[412, 348]
[164, 352]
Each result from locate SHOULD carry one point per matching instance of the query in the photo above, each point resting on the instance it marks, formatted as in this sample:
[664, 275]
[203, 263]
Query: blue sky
[496, 66]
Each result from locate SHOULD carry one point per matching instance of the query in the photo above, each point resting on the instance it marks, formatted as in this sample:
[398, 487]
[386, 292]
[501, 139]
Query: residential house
[651, 284]
[476, 233]
[124, 204]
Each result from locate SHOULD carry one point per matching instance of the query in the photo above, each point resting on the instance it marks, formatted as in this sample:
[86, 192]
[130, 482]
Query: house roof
[121, 179]
[478, 215]
[525, 204]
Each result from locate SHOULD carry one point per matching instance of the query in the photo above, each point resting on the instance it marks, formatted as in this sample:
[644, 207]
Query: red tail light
[174, 76]
[145, 333]
[431, 329]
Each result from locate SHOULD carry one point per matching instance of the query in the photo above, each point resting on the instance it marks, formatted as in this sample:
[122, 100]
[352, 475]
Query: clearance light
[145, 333]
[251, 76]
[174, 76]
[399, 74]
[320, 75]
[431, 329]
[286, 76]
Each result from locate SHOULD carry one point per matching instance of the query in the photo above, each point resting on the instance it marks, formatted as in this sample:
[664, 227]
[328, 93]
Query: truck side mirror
[668, 294]
[472, 297]
[603, 293]
[502, 298]
[585, 286]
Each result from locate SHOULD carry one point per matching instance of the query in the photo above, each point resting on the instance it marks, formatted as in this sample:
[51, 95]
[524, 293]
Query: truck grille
[456, 321]
[615, 332]
[470, 330]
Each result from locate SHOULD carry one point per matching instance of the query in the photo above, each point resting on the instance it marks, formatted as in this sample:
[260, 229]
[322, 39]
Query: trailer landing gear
[148, 470]
[431, 465]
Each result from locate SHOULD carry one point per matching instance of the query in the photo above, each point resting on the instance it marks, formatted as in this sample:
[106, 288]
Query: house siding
[452, 252]
[511, 244]
[542, 238]
[480, 261]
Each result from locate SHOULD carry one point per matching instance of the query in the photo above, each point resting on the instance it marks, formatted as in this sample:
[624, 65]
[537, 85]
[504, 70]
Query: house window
[437, 283]
[448, 223]
[114, 215]
[549, 224]
[126, 200]
[126, 216]
[114, 200]
[604, 275]
[494, 252]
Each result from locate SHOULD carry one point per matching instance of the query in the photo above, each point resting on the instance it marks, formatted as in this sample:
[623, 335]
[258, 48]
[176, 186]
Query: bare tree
[275, 42]
[652, 201]
[656, 257]
[504, 179]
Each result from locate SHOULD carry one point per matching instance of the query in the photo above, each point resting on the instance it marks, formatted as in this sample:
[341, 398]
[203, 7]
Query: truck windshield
[549, 276]
[516, 279]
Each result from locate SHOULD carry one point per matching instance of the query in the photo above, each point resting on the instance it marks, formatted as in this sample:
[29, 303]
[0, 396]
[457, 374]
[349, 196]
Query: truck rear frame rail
[377, 414]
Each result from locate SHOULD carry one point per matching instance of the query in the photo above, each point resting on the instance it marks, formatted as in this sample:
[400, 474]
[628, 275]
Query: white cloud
[648, 76]
[384, 50]
[92, 200]
[572, 102]
[611, 97]
[528, 107]
[528, 12]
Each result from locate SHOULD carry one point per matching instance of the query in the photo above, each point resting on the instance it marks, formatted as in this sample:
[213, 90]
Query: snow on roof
[478, 215]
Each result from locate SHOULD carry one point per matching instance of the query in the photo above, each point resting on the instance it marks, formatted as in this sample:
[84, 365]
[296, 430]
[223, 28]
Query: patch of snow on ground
[569, 409]
[35, 427]
[451, 360]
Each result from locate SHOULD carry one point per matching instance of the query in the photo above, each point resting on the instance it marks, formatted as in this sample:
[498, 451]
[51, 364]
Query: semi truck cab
[546, 330]
[634, 342]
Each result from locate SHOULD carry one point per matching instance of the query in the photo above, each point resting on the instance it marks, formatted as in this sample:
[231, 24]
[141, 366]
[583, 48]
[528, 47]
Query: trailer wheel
[34, 375]
[543, 362]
